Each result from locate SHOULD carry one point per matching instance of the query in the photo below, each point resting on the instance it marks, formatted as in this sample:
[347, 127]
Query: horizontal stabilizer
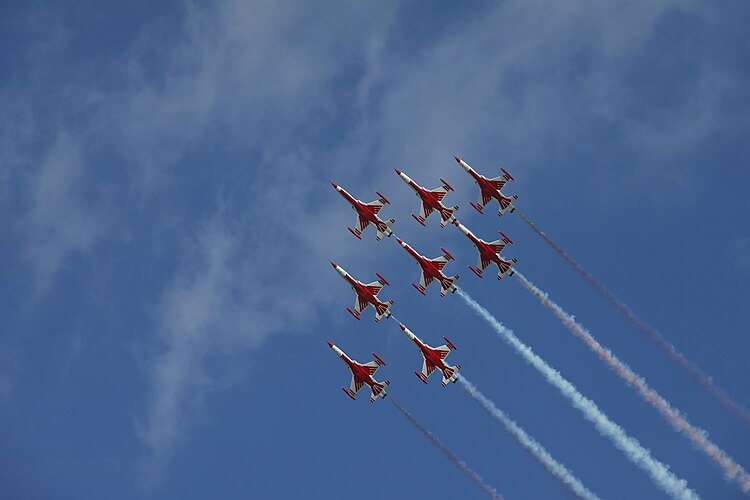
[384, 228]
[450, 374]
[448, 285]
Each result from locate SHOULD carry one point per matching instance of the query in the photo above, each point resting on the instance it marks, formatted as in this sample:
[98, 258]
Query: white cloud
[59, 222]
[265, 76]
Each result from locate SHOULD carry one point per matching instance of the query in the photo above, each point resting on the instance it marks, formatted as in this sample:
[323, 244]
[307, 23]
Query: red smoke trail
[696, 373]
[634, 451]
[448, 453]
[698, 436]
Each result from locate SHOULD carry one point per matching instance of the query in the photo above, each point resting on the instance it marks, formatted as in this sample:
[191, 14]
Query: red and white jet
[432, 200]
[489, 252]
[367, 213]
[434, 357]
[489, 189]
[432, 269]
[367, 295]
[362, 374]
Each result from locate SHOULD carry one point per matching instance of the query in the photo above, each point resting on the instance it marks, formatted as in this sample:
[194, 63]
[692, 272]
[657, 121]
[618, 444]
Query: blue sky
[168, 222]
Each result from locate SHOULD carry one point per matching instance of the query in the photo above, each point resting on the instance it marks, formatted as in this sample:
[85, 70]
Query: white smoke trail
[448, 453]
[671, 351]
[699, 437]
[636, 453]
[558, 470]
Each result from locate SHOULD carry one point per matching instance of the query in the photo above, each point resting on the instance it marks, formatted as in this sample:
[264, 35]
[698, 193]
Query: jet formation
[431, 270]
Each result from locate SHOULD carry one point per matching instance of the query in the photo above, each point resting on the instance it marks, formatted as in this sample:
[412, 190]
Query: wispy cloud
[301, 100]
[193, 311]
[59, 222]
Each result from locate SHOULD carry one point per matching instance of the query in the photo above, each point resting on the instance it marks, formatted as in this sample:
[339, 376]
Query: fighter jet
[489, 189]
[362, 374]
[489, 252]
[431, 200]
[367, 213]
[434, 357]
[367, 295]
[432, 269]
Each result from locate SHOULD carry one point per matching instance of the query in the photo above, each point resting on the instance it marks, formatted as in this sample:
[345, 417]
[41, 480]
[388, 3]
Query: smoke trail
[448, 453]
[676, 356]
[636, 453]
[555, 468]
[698, 436]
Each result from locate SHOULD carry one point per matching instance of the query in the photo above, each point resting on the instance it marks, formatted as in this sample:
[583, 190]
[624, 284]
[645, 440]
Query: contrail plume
[676, 356]
[630, 446]
[448, 453]
[558, 470]
[698, 436]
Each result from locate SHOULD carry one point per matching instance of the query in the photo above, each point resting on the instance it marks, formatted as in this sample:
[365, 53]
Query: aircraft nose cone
[397, 171]
[455, 222]
[333, 264]
[457, 159]
[400, 241]
[330, 345]
[402, 327]
[334, 185]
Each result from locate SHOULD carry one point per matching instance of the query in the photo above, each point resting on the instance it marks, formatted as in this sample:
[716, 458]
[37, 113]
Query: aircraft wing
[443, 351]
[375, 287]
[361, 223]
[360, 304]
[482, 263]
[439, 192]
[483, 199]
[356, 384]
[440, 262]
[424, 281]
[497, 245]
[371, 367]
[375, 206]
[499, 182]
[427, 368]
[424, 211]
